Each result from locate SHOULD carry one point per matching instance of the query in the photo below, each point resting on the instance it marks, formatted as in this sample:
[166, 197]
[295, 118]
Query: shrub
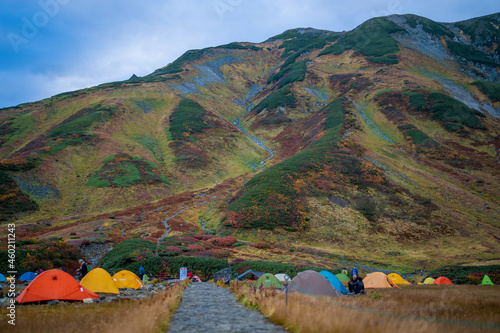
[126, 253]
[372, 38]
[467, 274]
[260, 245]
[239, 243]
[281, 97]
[470, 53]
[152, 265]
[194, 248]
[453, 113]
[227, 241]
[388, 60]
[490, 89]
[188, 118]
[123, 170]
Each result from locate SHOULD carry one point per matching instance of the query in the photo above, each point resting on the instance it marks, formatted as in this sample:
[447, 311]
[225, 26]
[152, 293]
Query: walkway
[207, 308]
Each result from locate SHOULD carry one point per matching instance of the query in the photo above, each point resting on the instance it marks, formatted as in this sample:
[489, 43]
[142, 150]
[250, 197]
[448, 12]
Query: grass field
[409, 309]
[150, 315]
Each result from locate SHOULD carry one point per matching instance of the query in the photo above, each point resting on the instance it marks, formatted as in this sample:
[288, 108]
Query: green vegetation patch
[12, 199]
[418, 101]
[490, 89]
[372, 38]
[391, 59]
[292, 73]
[123, 170]
[83, 120]
[188, 118]
[126, 253]
[470, 53]
[453, 113]
[467, 274]
[281, 97]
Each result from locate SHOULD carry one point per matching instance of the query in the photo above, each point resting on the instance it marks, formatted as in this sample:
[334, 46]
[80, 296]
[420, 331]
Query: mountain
[379, 144]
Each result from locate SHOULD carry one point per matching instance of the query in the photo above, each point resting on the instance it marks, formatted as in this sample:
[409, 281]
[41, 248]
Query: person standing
[83, 268]
[354, 271]
[141, 272]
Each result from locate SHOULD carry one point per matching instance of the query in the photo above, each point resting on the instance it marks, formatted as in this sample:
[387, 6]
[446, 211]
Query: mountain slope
[381, 142]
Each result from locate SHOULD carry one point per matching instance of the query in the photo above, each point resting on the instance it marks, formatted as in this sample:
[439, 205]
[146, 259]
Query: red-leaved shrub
[195, 248]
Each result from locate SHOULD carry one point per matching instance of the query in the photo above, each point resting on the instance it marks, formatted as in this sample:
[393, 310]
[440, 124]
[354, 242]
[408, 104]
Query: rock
[54, 302]
[4, 301]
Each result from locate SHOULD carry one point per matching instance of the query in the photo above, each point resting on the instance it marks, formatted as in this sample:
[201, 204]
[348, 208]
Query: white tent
[283, 277]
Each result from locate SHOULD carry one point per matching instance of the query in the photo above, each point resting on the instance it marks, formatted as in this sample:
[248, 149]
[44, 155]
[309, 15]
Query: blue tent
[2, 278]
[334, 281]
[28, 276]
[254, 273]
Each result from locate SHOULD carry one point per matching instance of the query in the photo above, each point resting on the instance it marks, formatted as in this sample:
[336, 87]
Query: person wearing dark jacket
[83, 268]
[356, 285]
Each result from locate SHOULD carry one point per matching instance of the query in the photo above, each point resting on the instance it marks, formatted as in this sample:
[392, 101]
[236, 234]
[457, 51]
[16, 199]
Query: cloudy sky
[52, 46]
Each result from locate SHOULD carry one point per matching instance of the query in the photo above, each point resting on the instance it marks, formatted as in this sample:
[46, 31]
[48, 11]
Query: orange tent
[378, 280]
[442, 280]
[54, 284]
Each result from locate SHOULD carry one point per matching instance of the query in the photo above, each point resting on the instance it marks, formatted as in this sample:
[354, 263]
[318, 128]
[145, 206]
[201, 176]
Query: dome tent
[268, 280]
[283, 277]
[312, 283]
[378, 280]
[127, 279]
[54, 284]
[429, 280]
[487, 281]
[335, 282]
[99, 281]
[398, 279]
[3, 278]
[443, 280]
[28, 276]
[342, 277]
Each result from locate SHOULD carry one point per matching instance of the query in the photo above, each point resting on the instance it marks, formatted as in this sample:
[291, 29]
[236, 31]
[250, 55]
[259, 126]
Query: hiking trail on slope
[208, 308]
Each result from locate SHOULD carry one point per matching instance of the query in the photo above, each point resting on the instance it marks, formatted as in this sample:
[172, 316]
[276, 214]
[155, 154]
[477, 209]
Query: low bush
[470, 53]
[123, 170]
[126, 253]
[490, 89]
[467, 274]
[281, 97]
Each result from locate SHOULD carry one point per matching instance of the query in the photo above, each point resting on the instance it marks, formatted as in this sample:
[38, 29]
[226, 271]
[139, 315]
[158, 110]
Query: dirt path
[207, 308]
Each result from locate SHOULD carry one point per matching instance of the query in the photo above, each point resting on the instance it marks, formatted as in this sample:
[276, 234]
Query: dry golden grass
[382, 310]
[125, 316]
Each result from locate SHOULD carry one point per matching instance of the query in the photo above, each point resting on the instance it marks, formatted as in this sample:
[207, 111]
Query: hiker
[354, 271]
[344, 271]
[83, 268]
[141, 272]
[356, 285]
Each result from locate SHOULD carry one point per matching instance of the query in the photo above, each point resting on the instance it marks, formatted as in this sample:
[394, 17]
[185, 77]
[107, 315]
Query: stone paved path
[207, 308]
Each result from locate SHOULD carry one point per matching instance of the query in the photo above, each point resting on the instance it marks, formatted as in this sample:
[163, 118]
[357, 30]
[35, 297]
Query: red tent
[442, 280]
[54, 284]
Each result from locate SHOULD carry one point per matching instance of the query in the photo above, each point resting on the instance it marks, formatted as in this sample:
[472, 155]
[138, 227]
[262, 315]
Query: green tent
[268, 280]
[342, 277]
[145, 279]
[487, 281]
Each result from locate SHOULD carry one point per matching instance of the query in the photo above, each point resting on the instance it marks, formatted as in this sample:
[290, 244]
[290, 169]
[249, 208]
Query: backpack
[88, 268]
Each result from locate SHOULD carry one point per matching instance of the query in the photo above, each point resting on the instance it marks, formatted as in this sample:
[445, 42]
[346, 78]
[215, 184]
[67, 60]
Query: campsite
[311, 301]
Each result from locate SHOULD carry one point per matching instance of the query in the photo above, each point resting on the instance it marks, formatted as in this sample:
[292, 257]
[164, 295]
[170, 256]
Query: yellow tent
[429, 280]
[378, 280]
[127, 279]
[398, 279]
[99, 281]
